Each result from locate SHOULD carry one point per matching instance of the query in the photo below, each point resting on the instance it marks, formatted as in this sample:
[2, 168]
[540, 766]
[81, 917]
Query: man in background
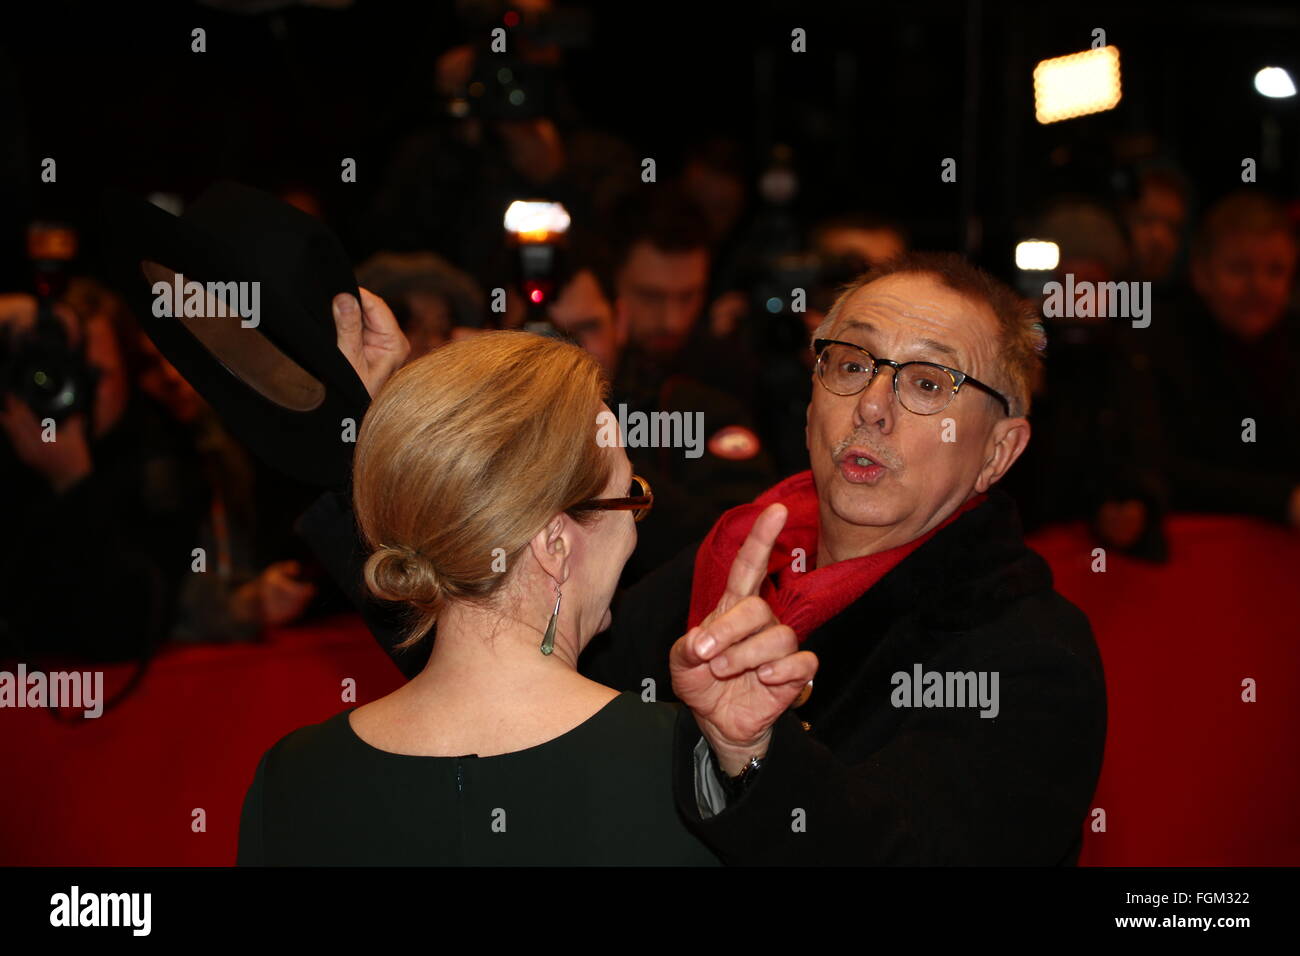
[1227, 367]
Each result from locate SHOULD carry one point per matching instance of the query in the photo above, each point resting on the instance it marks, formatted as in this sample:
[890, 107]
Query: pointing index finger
[750, 566]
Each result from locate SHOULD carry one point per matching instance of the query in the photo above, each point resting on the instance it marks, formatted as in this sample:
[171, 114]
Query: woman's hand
[741, 668]
[368, 334]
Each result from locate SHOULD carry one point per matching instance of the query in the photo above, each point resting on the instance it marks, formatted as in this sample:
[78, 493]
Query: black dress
[600, 794]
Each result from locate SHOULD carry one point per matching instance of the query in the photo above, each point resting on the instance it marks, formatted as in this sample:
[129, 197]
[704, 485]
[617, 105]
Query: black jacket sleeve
[947, 788]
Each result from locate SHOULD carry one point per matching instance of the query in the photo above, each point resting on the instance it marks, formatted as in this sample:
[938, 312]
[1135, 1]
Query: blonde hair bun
[396, 573]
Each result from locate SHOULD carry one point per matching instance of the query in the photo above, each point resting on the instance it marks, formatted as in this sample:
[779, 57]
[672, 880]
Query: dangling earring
[548, 641]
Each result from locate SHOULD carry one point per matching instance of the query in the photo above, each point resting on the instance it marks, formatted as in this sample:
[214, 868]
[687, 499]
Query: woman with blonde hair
[491, 510]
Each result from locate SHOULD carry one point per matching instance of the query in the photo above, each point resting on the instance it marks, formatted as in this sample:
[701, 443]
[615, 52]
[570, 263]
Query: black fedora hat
[237, 294]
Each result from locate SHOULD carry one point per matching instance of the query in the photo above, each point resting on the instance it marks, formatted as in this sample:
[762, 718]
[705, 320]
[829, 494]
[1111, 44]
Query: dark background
[884, 93]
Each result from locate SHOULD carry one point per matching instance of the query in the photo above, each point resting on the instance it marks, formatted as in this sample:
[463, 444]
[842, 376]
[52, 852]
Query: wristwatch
[733, 787]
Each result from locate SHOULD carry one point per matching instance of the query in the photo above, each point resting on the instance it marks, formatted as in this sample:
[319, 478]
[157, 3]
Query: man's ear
[1007, 442]
[552, 548]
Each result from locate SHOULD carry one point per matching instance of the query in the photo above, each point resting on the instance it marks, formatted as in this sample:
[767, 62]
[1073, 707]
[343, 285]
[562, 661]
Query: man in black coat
[959, 713]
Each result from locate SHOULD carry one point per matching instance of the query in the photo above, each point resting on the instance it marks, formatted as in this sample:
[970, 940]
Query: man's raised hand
[740, 669]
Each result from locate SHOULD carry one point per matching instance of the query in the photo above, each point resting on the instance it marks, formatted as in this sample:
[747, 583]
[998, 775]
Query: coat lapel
[959, 581]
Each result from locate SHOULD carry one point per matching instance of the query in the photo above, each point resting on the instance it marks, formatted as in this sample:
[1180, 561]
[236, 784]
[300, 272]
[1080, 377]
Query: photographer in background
[733, 464]
[105, 519]
[502, 127]
[74, 578]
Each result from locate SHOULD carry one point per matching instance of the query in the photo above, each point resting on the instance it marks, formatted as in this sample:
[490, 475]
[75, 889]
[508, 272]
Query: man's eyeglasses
[639, 500]
[923, 388]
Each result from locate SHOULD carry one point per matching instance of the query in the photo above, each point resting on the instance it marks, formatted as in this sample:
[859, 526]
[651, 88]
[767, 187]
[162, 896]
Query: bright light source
[1037, 255]
[1275, 82]
[534, 221]
[1076, 85]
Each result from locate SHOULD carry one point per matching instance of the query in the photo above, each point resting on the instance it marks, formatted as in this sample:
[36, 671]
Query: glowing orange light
[534, 235]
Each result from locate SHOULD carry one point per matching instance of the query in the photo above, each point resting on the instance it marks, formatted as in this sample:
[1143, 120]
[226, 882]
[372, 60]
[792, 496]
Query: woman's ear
[552, 549]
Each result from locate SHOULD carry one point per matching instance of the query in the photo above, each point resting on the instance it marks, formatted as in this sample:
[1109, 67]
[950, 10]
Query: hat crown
[280, 243]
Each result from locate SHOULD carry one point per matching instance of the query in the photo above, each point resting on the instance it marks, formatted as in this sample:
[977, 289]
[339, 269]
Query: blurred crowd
[697, 292]
[1189, 407]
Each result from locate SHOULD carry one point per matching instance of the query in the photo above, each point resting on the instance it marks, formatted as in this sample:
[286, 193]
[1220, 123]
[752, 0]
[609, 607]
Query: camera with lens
[515, 76]
[41, 367]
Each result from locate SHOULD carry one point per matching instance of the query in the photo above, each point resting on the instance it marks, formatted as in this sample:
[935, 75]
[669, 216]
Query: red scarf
[805, 599]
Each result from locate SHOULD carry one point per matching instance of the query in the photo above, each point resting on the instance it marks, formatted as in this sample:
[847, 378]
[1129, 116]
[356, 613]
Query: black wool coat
[854, 776]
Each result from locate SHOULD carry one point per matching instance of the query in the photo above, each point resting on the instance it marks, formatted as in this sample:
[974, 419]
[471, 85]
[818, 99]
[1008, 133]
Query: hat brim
[281, 385]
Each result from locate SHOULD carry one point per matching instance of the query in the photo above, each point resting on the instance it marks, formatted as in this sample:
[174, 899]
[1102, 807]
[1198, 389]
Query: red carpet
[1193, 776]
[121, 789]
